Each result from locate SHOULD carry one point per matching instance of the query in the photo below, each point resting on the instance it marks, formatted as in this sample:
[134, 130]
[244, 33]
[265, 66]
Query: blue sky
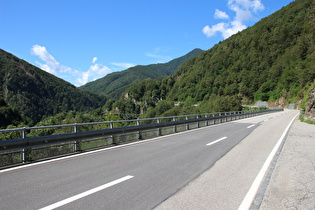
[83, 40]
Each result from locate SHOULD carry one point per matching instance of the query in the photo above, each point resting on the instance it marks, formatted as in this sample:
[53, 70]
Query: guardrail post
[138, 136]
[26, 155]
[23, 155]
[23, 133]
[75, 146]
[187, 125]
[158, 129]
[174, 127]
[111, 126]
[207, 122]
[75, 129]
[24, 151]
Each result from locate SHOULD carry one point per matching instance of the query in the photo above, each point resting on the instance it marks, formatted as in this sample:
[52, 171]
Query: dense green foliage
[272, 61]
[28, 94]
[65, 118]
[114, 84]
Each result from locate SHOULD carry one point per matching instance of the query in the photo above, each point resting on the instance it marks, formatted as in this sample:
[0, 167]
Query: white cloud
[50, 65]
[124, 65]
[95, 72]
[94, 60]
[54, 67]
[244, 11]
[157, 54]
[253, 5]
[257, 6]
[241, 14]
[211, 31]
[160, 58]
[235, 27]
[220, 15]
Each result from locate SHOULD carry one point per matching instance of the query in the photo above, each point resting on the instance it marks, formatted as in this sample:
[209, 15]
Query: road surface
[143, 175]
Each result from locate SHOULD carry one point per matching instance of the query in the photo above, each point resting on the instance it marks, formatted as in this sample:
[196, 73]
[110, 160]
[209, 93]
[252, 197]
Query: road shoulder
[292, 184]
[225, 185]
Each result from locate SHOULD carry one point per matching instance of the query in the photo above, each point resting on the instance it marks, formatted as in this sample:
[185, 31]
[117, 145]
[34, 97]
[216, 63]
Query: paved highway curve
[143, 175]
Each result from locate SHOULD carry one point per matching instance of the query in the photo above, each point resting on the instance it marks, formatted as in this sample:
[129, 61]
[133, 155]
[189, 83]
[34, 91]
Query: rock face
[310, 108]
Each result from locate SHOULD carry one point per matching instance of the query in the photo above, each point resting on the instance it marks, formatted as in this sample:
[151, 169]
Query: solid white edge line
[251, 126]
[86, 193]
[216, 141]
[247, 202]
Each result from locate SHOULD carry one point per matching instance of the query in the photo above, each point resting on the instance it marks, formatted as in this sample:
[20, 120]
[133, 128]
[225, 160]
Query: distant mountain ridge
[114, 84]
[27, 93]
[274, 61]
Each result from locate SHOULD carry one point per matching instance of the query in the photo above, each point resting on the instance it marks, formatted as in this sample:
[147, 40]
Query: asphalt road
[143, 175]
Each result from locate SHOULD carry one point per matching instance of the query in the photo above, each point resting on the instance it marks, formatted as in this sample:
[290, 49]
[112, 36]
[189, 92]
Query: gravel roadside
[292, 183]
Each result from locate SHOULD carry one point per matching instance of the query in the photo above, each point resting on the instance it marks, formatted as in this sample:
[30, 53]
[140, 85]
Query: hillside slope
[114, 84]
[27, 93]
[274, 60]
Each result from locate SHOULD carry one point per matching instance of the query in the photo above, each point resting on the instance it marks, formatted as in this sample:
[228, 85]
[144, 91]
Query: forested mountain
[114, 84]
[274, 61]
[28, 94]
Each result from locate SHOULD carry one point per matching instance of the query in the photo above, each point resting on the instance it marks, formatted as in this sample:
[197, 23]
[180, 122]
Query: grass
[302, 119]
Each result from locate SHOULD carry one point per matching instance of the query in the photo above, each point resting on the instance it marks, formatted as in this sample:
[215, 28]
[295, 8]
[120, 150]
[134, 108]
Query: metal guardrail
[24, 150]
